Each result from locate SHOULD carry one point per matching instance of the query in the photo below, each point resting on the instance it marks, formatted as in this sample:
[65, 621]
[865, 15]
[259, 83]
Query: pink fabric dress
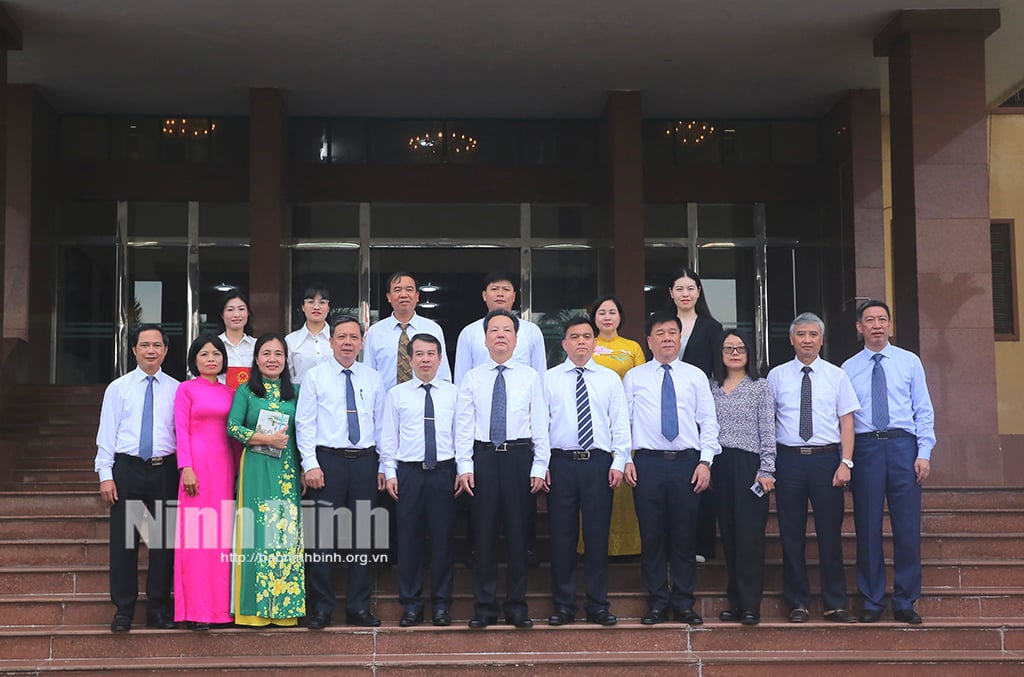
[202, 565]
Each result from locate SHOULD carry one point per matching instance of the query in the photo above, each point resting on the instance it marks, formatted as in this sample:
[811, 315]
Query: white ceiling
[465, 58]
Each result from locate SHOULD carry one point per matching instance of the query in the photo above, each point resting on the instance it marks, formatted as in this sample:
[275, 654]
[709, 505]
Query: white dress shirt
[402, 429]
[910, 406]
[380, 350]
[695, 408]
[121, 418]
[238, 356]
[832, 396]
[471, 352]
[526, 413]
[321, 417]
[608, 410]
[305, 350]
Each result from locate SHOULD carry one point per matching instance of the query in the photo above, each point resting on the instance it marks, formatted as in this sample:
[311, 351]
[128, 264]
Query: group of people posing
[624, 448]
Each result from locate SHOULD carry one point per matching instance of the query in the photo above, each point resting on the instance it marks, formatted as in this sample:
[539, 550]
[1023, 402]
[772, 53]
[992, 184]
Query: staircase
[55, 611]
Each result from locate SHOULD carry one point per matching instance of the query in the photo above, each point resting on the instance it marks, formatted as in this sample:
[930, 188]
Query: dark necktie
[806, 418]
[146, 434]
[879, 395]
[351, 410]
[498, 407]
[429, 431]
[583, 420]
[669, 415]
[404, 368]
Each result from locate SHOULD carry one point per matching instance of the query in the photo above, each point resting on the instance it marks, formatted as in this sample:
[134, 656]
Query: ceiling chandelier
[692, 132]
[441, 144]
[182, 128]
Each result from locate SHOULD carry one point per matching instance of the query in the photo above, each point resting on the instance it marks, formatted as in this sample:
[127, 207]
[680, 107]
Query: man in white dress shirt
[590, 449]
[675, 434]
[337, 425]
[814, 405]
[385, 349]
[417, 452]
[135, 461]
[502, 452]
[310, 344]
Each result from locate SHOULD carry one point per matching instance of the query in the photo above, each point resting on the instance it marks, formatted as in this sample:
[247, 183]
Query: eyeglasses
[735, 350]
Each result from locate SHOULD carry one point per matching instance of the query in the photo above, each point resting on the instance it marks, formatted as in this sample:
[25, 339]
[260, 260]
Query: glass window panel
[566, 221]
[392, 142]
[221, 268]
[157, 292]
[564, 284]
[229, 141]
[560, 142]
[157, 219]
[745, 144]
[309, 139]
[85, 315]
[136, 139]
[185, 139]
[728, 220]
[87, 219]
[660, 263]
[665, 221]
[85, 138]
[791, 219]
[697, 142]
[730, 286]
[782, 306]
[347, 143]
[224, 219]
[337, 271]
[659, 143]
[428, 223]
[337, 221]
[795, 142]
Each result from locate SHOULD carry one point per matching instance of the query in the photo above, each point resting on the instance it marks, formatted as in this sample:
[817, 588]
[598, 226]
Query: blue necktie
[351, 410]
[879, 395]
[586, 425]
[669, 415]
[429, 431]
[498, 408]
[146, 434]
[806, 417]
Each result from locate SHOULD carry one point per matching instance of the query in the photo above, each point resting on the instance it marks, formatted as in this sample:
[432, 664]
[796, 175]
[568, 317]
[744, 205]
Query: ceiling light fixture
[692, 132]
[440, 144]
[182, 128]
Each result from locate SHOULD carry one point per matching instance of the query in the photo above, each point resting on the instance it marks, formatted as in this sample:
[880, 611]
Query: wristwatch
[706, 464]
[848, 462]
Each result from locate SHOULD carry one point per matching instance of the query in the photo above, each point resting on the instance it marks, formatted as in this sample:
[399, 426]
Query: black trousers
[800, 478]
[666, 509]
[425, 506]
[346, 481]
[576, 486]
[140, 484]
[502, 495]
[742, 517]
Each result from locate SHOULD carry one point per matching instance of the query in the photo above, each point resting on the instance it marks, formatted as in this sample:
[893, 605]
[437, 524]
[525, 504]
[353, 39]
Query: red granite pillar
[16, 233]
[940, 229]
[267, 204]
[623, 160]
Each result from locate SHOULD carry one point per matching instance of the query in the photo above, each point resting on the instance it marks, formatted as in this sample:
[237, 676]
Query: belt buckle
[806, 451]
[156, 461]
[501, 448]
[670, 455]
[424, 466]
[581, 455]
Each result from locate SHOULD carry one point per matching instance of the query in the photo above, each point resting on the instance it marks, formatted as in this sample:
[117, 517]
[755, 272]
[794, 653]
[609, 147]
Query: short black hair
[255, 382]
[499, 276]
[660, 317]
[345, 319]
[501, 312]
[199, 344]
[600, 301]
[395, 277]
[426, 338]
[314, 289]
[872, 303]
[147, 326]
[575, 320]
[231, 295]
[718, 368]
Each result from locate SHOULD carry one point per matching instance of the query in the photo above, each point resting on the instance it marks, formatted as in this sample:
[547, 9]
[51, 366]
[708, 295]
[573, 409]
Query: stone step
[38, 461]
[67, 502]
[64, 477]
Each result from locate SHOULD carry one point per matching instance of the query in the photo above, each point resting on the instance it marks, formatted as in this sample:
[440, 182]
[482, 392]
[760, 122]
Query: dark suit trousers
[502, 494]
[741, 517]
[140, 484]
[884, 471]
[426, 506]
[575, 486]
[797, 479]
[666, 509]
[346, 480]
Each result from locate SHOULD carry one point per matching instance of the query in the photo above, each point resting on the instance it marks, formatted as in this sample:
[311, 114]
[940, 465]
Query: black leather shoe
[198, 627]
[520, 621]
[410, 618]
[561, 617]
[120, 624]
[654, 616]
[799, 616]
[603, 617]
[318, 621]
[442, 618]
[840, 616]
[750, 618]
[362, 618]
[164, 621]
[730, 616]
[907, 616]
[690, 617]
[870, 616]
[480, 622]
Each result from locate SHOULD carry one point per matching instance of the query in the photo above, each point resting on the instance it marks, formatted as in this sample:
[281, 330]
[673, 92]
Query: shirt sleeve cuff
[539, 470]
[465, 467]
[619, 462]
[106, 474]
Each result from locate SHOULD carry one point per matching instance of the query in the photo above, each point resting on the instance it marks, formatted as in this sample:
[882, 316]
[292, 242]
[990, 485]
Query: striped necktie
[586, 425]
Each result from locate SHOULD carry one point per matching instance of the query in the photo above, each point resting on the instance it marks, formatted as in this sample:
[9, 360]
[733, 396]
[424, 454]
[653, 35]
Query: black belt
[154, 462]
[522, 444]
[346, 452]
[810, 449]
[578, 454]
[423, 466]
[890, 434]
[667, 454]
